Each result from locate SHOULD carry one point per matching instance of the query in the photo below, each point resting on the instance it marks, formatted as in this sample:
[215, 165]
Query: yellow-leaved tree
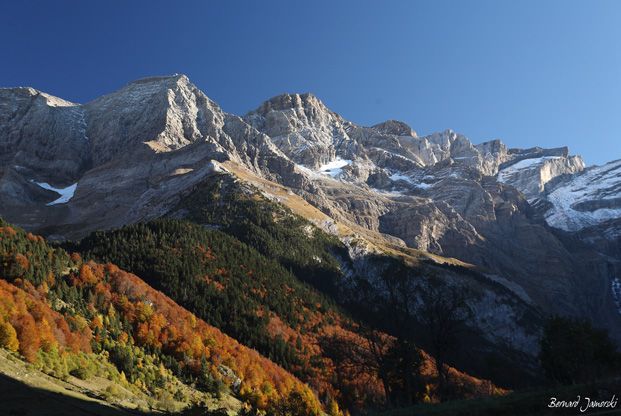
[8, 337]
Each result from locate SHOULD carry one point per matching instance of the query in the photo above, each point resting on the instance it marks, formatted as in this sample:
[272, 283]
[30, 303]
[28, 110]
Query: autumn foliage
[27, 323]
[54, 302]
[235, 288]
[71, 305]
[160, 323]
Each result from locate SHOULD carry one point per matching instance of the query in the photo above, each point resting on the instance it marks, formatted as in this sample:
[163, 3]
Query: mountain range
[529, 233]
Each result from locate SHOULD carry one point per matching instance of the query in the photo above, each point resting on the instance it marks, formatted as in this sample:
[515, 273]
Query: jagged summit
[291, 101]
[302, 127]
[144, 88]
[165, 113]
[396, 127]
[6, 91]
[161, 78]
[29, 92]
[168, 113]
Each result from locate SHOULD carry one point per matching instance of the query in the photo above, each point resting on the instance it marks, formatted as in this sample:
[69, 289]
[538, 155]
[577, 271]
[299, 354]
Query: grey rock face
[178, 115]
[426, 227]
[395, 128]
[530, 175]
[591, 197]
[302, 127]
[42, 134]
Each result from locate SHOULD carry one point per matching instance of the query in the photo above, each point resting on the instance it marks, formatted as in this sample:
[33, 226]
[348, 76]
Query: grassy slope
[25, 391]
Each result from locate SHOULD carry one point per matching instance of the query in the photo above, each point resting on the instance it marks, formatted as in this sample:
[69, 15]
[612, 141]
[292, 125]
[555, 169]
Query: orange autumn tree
[29, 340]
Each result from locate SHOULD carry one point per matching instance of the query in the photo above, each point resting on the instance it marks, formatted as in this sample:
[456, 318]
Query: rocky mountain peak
[395, 127]
[31, 93]
[302, 127]
[284, 102]
[15, 94]
[163, 113]
[145, 90]
[41, 133]
[162, 79]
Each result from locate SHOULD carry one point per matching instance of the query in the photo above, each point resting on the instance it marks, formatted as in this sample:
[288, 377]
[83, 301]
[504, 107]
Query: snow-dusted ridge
[577, 197]
[531, 174]
[505, 175]
[586, 199]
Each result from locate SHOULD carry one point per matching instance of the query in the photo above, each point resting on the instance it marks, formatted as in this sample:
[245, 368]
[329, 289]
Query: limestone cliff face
[160, 114]
[303, 128]
[586, 199]
[42, 134]
[537, 218]
[530, 173]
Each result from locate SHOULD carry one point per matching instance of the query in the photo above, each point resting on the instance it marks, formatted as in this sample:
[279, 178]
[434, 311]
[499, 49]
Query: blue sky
[532, 73]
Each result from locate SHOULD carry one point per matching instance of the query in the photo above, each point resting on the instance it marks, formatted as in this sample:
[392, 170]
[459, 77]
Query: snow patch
[335, 167]
[65, 193]
[401, 177]
[332, 169]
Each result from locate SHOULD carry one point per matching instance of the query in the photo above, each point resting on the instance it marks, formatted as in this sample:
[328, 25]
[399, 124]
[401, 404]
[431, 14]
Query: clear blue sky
[529, 72]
